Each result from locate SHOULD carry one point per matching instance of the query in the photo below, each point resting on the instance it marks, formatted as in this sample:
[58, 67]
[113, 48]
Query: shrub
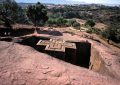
[63, 22]
[93, 30]
[90, 23]
[76, 25]
[112, 33]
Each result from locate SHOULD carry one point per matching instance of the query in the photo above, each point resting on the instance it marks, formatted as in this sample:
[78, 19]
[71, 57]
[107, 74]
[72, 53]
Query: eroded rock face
[105, 61]
[22, 65]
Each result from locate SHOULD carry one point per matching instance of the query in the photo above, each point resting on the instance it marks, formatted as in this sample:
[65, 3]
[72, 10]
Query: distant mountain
[62, 2]
[58, 2]
[112, 4]
[68, 2]
[24, 5]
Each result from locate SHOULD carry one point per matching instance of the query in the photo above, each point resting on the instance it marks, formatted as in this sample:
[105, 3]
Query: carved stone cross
[57, 48]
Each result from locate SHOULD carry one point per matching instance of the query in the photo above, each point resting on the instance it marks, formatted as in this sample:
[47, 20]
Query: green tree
[57, 21]
[5, 20]
[13, 11]
[90, 23]
[61, 21]
[37, 14]
[76, 25]
[71, 22]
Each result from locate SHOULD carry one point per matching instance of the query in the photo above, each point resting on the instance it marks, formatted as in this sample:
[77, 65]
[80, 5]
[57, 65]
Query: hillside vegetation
[64, 15]
[97, 13]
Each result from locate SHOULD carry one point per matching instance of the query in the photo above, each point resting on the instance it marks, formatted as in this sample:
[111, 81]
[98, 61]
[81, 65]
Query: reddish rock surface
[22, 65]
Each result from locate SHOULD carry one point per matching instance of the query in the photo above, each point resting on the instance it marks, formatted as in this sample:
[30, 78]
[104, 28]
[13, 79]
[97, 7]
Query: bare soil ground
[101, 26]
[22, 65]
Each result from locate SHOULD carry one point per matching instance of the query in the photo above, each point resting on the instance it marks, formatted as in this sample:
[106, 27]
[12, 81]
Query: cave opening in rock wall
[80, 56]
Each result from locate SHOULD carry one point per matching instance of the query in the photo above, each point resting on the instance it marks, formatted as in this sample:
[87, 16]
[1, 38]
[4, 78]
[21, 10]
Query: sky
[72, 1]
